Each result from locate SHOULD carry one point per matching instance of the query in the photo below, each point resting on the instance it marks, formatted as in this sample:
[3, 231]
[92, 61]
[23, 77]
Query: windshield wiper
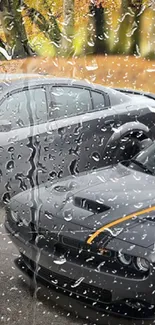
[142, 166]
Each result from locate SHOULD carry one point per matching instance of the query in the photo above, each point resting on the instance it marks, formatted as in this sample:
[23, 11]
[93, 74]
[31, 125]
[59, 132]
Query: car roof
[13, 82]
[21, 80]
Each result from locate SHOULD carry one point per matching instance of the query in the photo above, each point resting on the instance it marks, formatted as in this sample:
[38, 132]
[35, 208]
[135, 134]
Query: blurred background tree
[77, 27]
[68, 27]
[14, 28]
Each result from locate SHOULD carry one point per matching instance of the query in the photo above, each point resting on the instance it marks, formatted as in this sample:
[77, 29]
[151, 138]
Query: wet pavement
[19, 306]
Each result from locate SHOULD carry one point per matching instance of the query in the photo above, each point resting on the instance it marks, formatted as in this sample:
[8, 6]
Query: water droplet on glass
[10, 149]
[78, 282]
[6, 198]
[60, 261]
[10, 165]
[96, 156]
[91, 43]
[92, 67]
[68, 215]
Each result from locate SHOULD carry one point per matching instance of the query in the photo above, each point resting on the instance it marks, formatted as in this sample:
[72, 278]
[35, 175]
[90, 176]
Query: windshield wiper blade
[142, 166]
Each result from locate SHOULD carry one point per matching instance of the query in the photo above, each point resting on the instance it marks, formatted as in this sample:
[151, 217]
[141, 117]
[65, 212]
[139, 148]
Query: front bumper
[102, 290]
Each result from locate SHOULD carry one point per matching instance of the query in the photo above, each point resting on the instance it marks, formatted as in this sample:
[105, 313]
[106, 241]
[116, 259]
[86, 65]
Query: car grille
[85, 290]
[75, 251]
[89, 256]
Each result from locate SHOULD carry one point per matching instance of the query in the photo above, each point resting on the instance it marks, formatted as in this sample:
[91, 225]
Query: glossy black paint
[68, 212]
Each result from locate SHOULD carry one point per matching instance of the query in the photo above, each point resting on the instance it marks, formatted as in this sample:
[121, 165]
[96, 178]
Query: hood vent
[90, 205]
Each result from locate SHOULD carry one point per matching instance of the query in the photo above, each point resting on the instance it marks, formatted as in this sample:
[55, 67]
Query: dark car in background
[53, 127]
[93, 235]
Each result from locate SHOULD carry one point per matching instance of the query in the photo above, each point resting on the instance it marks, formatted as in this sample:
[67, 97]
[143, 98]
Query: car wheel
[126, 149]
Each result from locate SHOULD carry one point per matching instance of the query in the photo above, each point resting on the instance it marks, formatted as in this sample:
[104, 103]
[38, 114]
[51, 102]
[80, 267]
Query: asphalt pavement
[19, 306]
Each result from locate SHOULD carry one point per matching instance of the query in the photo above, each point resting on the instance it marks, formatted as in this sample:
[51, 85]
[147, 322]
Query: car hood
[97, 200]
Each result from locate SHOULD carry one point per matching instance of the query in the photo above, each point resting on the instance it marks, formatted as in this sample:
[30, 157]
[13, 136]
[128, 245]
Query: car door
[68, 105]
[83, 120]
[26, 109]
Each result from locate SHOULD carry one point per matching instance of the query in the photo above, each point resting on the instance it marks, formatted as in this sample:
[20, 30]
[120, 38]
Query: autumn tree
[48, 26]
[14, 29]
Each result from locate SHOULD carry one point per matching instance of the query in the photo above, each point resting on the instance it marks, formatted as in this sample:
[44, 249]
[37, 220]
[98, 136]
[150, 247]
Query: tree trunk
[136, 6]
[97, 13]
[130, 27]
[121, 46]
[14, 29]
[151, 53]
[68, 27]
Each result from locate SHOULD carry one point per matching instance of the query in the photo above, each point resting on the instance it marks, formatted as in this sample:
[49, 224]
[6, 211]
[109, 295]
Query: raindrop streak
[78, 282]
[114, 234]
[73, 167]
[5, 53]
[91, 43]
[92, 67]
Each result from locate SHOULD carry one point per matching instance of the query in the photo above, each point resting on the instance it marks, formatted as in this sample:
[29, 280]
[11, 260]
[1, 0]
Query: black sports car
[93, 235]
[53, 127]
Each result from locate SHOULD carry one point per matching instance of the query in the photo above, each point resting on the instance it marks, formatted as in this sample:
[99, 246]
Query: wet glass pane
[69, 102]
[77, 162]
[98, 100]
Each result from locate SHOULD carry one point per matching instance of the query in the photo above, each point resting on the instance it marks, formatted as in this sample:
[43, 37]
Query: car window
[98, 100]
[69, 101]
[20, 107]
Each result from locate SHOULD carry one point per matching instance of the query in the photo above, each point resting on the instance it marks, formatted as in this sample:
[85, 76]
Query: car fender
[124, 130]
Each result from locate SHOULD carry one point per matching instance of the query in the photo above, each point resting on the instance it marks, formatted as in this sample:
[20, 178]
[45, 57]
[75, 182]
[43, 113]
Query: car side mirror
[5, 126]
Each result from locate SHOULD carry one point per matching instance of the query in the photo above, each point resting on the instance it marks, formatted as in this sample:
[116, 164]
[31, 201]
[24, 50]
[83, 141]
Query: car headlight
[125, 259]
[14, 215]
[142, 264]
[139, 263]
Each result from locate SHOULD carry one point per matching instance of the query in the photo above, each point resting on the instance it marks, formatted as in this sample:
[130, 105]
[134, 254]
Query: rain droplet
[78, 282]
[92, 67]
[73, 168]
[113, 199]
[48, 215]
[60, 261]
[60, 174]
[6, 198]
[96, 156]
[53, 174]
[68, 215]
[91, 43]
[10, 165]
[138, 206]
[10, 149]
[49, 128]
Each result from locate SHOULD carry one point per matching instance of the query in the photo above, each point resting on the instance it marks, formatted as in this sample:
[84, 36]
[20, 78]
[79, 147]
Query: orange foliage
[114, 71]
